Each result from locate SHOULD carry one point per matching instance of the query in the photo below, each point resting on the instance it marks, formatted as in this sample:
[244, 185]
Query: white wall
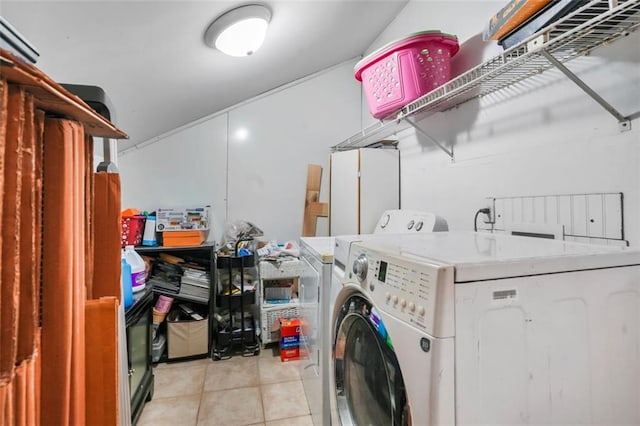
[541, 139]
[187, 168]
[260, 177]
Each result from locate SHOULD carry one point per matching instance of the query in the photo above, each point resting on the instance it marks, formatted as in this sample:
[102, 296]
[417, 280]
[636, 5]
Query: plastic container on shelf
[149, 234]
[161, 309]
[278, 294]
[132, 230]
[125, 281]
[163, 304]
[404, 70]
[138, 272]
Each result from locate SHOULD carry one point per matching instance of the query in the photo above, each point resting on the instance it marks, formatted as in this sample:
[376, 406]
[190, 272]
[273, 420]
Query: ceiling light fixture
[240, 31]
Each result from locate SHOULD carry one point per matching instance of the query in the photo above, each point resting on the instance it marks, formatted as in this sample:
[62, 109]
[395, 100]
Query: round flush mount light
[239, 31]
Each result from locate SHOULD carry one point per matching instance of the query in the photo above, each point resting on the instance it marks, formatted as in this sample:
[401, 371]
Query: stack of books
[195, 282]
[163, 285]
[166, 277]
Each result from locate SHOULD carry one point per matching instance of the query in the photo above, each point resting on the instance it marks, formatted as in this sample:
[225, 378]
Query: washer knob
[360, 266]
[412, 306]
[421, 310]
[419, 225]
[385, 221]
[394, 299]
[403, 303]
[387, 296]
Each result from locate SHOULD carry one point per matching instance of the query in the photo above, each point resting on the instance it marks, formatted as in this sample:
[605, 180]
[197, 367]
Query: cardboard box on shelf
[182, 238]
[186, 337]
[182, 219]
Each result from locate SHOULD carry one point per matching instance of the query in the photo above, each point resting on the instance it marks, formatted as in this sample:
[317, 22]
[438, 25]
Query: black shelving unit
[202, 254]
[139, 341]
[236, 324]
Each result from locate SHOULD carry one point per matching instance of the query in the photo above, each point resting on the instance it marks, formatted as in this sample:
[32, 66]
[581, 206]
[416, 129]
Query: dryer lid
[482, 256]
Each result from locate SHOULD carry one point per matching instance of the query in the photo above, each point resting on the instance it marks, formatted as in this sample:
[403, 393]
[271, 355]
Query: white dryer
[324, 261]
[477, 328]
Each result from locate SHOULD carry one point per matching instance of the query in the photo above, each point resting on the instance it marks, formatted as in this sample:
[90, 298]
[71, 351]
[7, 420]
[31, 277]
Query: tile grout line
[204, 378]
[264, 413]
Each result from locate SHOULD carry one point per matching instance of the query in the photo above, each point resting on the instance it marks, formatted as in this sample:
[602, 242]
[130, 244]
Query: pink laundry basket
[402, 71]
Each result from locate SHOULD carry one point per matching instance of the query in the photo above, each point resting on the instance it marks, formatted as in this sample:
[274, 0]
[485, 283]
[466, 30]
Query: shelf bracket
[109, 163]
[624, 122]
[449, 152]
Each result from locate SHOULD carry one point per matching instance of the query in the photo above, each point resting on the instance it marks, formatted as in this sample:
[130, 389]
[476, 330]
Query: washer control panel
[417, 292]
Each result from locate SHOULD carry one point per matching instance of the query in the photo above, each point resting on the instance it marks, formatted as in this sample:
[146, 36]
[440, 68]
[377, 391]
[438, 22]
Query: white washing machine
[317, 294]
[475, 328]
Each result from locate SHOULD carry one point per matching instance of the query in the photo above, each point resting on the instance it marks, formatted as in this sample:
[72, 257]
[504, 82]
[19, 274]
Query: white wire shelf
[596, 24]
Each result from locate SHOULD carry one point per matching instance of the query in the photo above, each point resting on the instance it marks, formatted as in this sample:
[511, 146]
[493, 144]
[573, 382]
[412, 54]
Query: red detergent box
[289, 339]
[292, 354]
[290, 327]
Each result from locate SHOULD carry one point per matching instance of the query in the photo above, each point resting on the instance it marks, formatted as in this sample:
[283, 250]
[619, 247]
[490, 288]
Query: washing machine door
[369, 386]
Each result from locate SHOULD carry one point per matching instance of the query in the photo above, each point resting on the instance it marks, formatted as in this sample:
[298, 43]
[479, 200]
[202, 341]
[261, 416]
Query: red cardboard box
[291, 354]
[290, 339]
[290, 327]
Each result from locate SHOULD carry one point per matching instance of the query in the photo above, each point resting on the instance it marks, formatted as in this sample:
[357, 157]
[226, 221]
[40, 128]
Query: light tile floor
[257, 390]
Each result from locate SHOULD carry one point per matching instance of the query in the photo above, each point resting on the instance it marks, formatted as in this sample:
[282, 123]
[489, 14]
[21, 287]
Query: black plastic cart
[235, 323]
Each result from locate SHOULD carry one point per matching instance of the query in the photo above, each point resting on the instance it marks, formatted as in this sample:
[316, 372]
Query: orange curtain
[63, 291]
[107, 232]
[53, 207]
[5, 377]
[11, 230]
[9, 290]
[20, 176]
[89, 220]
[102, 383]
[102, 314]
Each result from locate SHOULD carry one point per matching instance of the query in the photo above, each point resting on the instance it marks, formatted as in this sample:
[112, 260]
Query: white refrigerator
[363, 184]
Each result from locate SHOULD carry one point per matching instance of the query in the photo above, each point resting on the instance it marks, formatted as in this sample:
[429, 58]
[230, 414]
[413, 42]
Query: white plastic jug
[138, 273]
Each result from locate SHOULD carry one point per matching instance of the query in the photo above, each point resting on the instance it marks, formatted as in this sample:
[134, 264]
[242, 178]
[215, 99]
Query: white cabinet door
[379, 185]
[343, 215]
[364, 183]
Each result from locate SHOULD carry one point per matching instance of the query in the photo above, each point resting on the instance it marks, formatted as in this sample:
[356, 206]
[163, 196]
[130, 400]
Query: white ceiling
[151, 60]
